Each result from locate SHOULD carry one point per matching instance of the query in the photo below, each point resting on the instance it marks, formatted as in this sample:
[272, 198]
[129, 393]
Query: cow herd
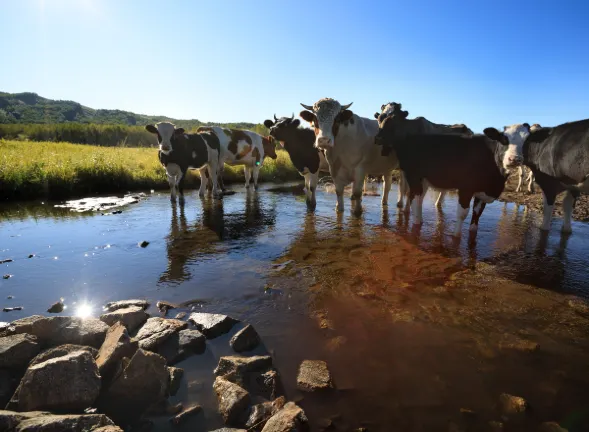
[428, 155]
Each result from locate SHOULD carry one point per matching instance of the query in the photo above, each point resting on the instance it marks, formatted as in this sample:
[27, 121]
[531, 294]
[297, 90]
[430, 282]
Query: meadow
[60, 170]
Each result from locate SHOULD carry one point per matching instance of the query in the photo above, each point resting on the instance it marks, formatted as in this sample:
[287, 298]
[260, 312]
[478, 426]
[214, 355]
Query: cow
[179, 152]
[559, 160]
[240, 147]
[299, 143]
[475, 165]
[348, 141]
[523, 169]
[419, 125]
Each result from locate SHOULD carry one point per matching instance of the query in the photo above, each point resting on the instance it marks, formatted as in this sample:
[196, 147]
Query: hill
[30, 108]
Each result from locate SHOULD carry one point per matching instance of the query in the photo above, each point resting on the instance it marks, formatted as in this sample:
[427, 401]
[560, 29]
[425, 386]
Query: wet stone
[122, 304]
[156, 330]
[181, 345]
[144, 244]
[131, 317]
[260, 413]
[509, 404]
[164, 306]
[551, 427]
[255, 374]
[176, 375]
[186, 414]
[180, 315]
[38, 421]
[245, 340]
[313, 375]
[117, 345]
[212, 325]
[56, 307]
[16, 351]
[5, 261]
[60, 351]
[291, 418]
[7, 276]
[233, 401]
[11, 309]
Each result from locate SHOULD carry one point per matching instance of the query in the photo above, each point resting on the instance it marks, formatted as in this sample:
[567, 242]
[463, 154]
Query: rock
[143, 382]
[131, 317]
[70, 382]
[8, 383]
[245, 340]
[186, 414]
[291, 418]
[212, 325]
[9, 420]
[17, 350]
[60, 351]
[229, 430]
[255, 374]
[176, 375]
[240, 365]
[156, 330]
[108, 429]
[56, 307]
[10, 297]
[182, 345]
[144, 244]
[116, 346]
[61, 330]
[70, 423]
[164, 306]
[31, 256]
[260, 413]
[233, 401]
[181, 315]
[551, 427]
[509, 404]
[122, 304]
[4, 261]
[7, 276]
[313, 375]
[10, 309]
[495, 426]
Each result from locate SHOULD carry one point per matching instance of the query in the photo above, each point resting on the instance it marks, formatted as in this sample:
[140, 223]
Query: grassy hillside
[61, 170]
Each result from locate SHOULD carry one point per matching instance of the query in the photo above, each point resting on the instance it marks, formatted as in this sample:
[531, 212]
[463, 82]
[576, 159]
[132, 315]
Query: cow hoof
[566, 230]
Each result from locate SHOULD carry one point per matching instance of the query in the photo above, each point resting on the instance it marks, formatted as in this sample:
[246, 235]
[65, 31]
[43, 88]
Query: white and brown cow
[348, 141]
[523, 169]
[475, 165]
[299, 143]
[420, 125]
[240, 147]
[179, 152]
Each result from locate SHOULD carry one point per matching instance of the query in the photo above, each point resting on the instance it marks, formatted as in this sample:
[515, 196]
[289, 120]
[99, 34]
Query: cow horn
[275, 119]
[345, 107]
[307, 107]
[292, 118]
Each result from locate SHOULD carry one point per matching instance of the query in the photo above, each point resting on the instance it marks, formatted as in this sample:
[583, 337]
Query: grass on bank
[62, 170]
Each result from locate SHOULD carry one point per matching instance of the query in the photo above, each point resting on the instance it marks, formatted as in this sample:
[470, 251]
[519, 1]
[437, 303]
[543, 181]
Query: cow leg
[567, 212]
[440, 200]
[415, 200]
[531, 182]
[388, 181]
[548, 208]
[203, 182]
[402, 189]
[173, 171]
[477, 210]
[256, 170]
[520, 173]
[248, 175]
[461, 211]
[357, 186]
[339, 191]
[221, 169]
[172, 183]
[365, 185]
[180, 183]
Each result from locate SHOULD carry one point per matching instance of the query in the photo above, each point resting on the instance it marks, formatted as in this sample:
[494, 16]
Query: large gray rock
[61, 330]
[60, 351]
[9, 420]
[291, 418]
[212, 325]
[71, 382]
[17, 350]
[156, 330]
[233, 401]
[23, 325]
[8, 383]
[313, 375]
[245, 339]
[70, 423]
[117, 345]
[181, 345]
[122, 304]
[261, 413]
[240, 365]
[142, 383]
[255, 374]
[131, 317]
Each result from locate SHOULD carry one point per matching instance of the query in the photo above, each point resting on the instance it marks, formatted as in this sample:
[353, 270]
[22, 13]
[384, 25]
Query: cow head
[513, 137]
[281, 128]
[325, 116]
[165, 132]
[269, 147]
[390, 126]
[386, 110]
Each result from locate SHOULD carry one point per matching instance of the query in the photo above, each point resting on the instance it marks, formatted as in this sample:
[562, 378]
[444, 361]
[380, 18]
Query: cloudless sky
[482, 63]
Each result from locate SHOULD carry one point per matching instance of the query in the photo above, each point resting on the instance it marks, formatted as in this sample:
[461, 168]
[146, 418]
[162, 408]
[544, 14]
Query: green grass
[51, 170]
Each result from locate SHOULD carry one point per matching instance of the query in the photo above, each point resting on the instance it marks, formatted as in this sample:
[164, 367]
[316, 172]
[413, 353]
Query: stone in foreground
[186, 414]
[255, 374]
[70, 423]
[122, 304]
[212, 325]
[313, 375]
[156, 330]
[67, 383]
[117, 345]
[229, 430]
[9, 420]
[261, 413]
[233, 401]
[551, 427]
[245, 339]
[60, 351]
[182, 345]
[291, 418]
[131, 317]
[509, 404]
[17, 350]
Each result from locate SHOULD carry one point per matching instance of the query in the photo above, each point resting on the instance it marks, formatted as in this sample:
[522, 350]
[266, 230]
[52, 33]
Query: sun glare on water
[84, 310]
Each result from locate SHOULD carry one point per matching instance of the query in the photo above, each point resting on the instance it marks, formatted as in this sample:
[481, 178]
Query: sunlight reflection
[84, 310]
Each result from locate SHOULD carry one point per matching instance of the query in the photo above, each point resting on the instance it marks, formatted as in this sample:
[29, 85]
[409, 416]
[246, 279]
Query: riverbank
[49, 170]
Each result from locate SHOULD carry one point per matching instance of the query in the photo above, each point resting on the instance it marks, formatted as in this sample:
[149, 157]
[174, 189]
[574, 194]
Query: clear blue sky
[477, 62]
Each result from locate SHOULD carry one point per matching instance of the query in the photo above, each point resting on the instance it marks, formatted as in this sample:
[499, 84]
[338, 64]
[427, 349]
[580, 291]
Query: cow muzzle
[324, 142]
[165, 149]
[513, 161]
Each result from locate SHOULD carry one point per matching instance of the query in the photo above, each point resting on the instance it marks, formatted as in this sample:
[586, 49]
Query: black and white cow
[475, 165]
[529, 178]
[299, 143]
[559, 160]
[179, 152]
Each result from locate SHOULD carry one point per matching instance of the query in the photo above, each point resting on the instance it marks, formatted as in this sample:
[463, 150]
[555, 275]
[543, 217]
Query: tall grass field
[59, 170]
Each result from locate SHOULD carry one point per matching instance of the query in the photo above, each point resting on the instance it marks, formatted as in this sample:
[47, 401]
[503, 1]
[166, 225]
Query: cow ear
[376, 115]
[296, 122]
[345, 115]
[495, 135]
[268, 123]
[540, 135]
[151, 128]
[178, 131]
[404, 114]
[308, 116]
[527, 125]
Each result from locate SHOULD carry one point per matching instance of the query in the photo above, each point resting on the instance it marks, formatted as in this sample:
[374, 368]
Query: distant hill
[30, 108]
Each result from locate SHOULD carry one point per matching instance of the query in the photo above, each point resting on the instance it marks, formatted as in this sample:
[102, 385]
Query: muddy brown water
[415, 326]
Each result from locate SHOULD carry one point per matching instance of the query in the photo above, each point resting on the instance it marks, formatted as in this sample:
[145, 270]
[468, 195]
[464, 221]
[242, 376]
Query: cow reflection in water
[217, 231]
